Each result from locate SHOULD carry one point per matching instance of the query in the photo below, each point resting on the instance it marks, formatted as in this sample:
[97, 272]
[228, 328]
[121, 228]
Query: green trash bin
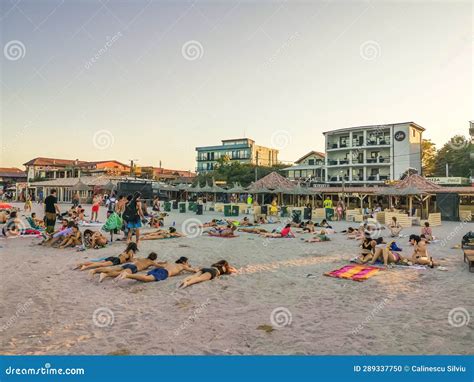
[235, 210]
[296, 216]
[182, 208]
[167, 207]
[192, 206]
[329, 213]
[284, 212]
[227, 210]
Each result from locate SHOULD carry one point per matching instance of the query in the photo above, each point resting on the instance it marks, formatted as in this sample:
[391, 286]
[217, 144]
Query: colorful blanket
[354, 272]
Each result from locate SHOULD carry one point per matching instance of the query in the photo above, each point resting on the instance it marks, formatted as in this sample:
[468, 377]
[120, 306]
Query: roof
[90, 181]
[40, 161]
[376, 126]
[318, 153]
[272, 181]
[105, 161]
[237, 139]
[12, 172]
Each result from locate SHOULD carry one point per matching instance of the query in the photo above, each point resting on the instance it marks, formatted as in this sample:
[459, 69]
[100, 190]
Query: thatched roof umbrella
[80, 186]
[413, 185]
[236, 189]
[271, 183]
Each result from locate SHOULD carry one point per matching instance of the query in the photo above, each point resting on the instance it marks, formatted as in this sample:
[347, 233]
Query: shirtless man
[135, 266]
[162, 271]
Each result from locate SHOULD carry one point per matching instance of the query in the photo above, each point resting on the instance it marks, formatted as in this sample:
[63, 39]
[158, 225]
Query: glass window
[311, 162]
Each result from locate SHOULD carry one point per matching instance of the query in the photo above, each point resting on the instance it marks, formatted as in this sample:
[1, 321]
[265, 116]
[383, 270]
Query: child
[73, 239]
[427, 232]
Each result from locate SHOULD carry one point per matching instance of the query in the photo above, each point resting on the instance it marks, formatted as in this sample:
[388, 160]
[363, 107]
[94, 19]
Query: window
[414, 133]
[311, 162]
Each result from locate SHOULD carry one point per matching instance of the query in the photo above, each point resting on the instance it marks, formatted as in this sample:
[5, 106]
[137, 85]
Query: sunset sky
[151, 80]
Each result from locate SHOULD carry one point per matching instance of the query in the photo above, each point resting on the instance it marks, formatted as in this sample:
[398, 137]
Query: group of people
[127, 266]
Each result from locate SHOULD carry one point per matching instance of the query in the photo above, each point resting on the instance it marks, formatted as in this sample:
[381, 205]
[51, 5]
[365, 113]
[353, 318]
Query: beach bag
[130, 213]
[114, 222]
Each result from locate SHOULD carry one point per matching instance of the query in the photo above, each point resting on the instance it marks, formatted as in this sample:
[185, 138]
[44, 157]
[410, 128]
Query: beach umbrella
[5, 206]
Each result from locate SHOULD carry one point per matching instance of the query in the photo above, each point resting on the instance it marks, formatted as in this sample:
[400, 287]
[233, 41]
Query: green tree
[456, 153]
[428, 157]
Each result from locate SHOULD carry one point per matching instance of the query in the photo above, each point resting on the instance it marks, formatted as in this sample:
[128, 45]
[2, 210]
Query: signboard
[400, 136]
[452, 181]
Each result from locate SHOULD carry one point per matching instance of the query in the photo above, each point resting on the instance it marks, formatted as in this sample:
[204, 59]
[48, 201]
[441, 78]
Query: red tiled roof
[40, 161]
[12, 172]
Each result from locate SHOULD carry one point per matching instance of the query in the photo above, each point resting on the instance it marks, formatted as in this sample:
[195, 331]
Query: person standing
[133, 215]
[28, 204]
[95, 208]
[328, 208]
[75, 199]
[51, 210]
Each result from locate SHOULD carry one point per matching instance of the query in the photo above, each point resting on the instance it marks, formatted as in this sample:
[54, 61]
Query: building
[368, 155]
[243, 150]
[9, 176]
[166, 175]
[309, 168]
[52, 168]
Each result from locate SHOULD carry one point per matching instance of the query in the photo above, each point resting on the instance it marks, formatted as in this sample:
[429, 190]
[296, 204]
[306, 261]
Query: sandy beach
[279, 303]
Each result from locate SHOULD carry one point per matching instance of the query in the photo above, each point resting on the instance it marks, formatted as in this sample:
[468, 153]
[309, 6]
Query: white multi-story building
[367, 155]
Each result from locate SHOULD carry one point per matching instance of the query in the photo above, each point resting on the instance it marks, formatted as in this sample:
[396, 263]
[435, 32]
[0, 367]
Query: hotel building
[243, 150]
[369, 155]
[310, 167]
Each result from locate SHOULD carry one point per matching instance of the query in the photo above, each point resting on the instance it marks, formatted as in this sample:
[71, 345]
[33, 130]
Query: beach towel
[223, 237]
[354, 272]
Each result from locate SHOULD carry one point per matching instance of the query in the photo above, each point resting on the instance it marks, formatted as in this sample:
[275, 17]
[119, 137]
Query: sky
[151, 80]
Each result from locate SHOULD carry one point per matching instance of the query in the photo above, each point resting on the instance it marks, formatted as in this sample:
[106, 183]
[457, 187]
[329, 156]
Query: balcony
[355, 162]
[358, 178]
[357, 143]
[378, 142]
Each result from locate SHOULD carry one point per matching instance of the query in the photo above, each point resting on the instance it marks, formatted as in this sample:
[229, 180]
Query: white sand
[48, 308]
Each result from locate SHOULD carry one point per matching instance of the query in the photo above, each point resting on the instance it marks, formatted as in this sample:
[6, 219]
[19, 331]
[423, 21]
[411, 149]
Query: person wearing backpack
[133, 215]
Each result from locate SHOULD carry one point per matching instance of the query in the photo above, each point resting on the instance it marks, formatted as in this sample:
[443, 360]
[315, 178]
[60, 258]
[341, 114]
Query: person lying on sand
[212, 223]
[162, 271]
[73, 239]
[226, 232]
[285, 232]
[389, 256]
[253, 230]
[324, 224]
[244, 222]
[319, 237]
[162, 234]
[135, 266]
[125, 257]
[261, 220]
[420, 252]
[309, 227]
[205, 274]
[94, 239]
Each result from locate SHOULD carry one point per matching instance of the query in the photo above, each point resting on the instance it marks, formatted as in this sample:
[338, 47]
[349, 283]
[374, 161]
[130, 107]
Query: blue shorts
[159, 274]
[133, 225]
[132, 267]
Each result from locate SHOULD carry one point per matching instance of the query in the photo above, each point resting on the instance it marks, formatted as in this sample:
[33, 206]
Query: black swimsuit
[114, 260]
[213, 271]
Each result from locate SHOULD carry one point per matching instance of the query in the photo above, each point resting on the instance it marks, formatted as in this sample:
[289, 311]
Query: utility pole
[447, 169]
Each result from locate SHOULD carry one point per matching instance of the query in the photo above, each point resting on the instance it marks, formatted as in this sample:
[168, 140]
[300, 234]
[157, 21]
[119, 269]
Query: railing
[337, 162]
[357, 143]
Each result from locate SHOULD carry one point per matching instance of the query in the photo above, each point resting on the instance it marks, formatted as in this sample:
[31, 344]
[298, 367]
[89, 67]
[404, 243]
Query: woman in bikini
[94, 239]
[420, 252]
[367, 250]
[285, 232]
[394, 227]
[205, 274]
[226, 232]
[389, 256]
[162, 234]
[125, 257]
[253, 230]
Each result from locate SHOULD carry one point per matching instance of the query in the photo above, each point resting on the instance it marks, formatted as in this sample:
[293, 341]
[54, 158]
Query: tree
[456, 153]
[428, 157]
[231, 172]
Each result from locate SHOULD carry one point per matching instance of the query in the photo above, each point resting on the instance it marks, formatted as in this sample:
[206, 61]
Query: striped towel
[354, 272]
